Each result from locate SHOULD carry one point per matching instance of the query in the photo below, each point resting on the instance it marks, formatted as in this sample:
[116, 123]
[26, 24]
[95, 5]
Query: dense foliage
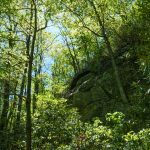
[74, 74]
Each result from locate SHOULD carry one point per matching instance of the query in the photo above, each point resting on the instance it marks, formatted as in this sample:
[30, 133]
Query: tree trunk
[36, 85]
[38, 69]
[3, 120]
[72, 57]
[16, 126]
[28, 100]
[109, 48]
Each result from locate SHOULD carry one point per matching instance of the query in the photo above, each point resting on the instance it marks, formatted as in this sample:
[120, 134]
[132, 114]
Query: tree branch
[46, 22]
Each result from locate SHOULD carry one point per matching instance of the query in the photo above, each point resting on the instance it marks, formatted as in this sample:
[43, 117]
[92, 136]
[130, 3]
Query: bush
[56, 126]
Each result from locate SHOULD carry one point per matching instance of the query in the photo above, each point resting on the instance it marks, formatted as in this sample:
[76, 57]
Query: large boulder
[95, 92]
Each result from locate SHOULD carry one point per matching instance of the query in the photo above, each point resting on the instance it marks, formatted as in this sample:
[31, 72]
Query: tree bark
[3, 120]
[29, 81]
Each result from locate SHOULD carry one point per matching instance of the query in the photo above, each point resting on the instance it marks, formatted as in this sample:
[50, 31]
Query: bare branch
[46, 22]
[92, 31]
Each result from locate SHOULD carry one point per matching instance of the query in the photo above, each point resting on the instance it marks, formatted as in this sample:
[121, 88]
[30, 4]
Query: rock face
[94, 91]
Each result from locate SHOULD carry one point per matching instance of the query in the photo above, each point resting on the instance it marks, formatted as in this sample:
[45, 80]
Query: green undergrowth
[57, 126]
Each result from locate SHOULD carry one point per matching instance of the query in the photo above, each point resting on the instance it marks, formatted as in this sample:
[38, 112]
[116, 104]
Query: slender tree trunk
[118, 80]
[12, 109]
[5, 106]
[36, 91]
[20, 99]
[16, 126]
[75, 57]
[3, 120]
[72, 57]
[28, 100]
[36, 86]
[28, 108]
[109, 48]
[38, 66]
[86, 50]
[74, 61]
